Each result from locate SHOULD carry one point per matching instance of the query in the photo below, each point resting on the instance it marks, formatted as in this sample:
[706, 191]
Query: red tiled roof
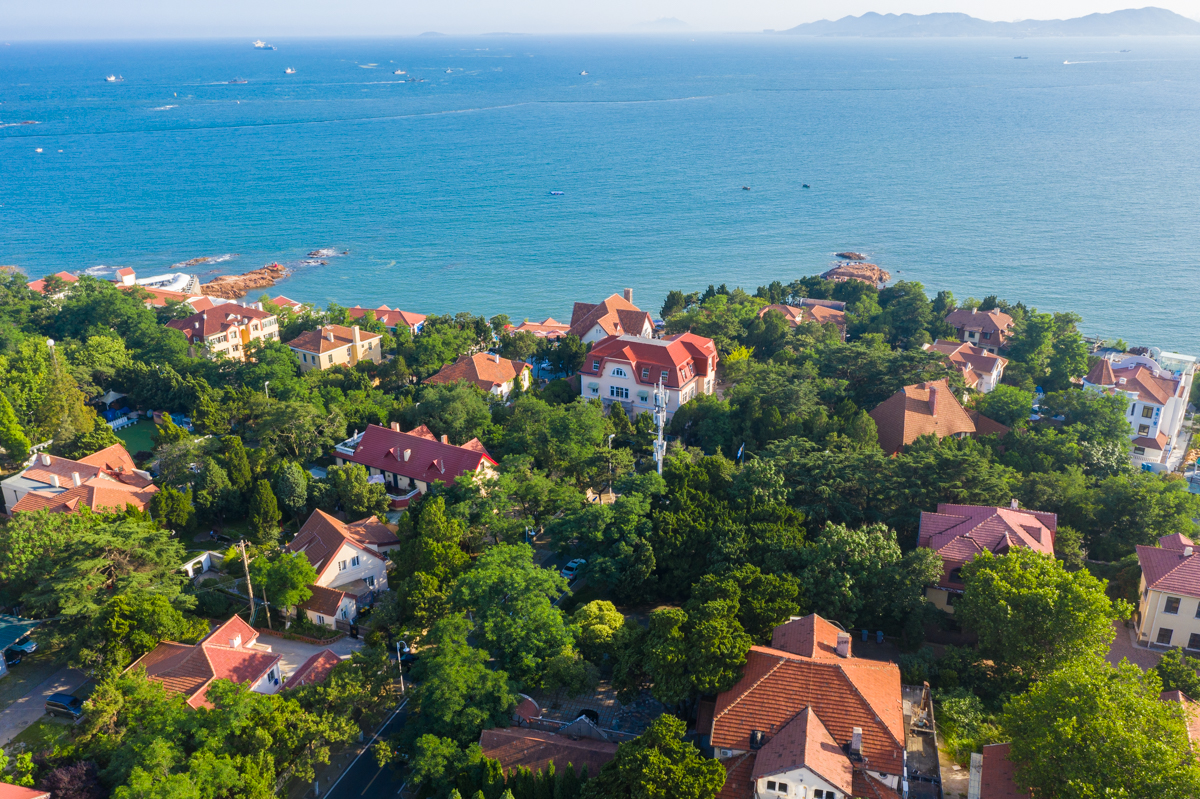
[317, 341]
[314, 670]
[1167, 568]
[804, 741]
[738, 782]
[843, 692]
[427, 460]
[960, 532]
[286, 302]
[993, 321]
[39, 285]
[483, 369]
[998, 772]
[868, 787]
[1101, 374]
[819, 311]
[101, 494]
[1191, 712]
[391, 317]
[424, 432]
[988, 427]
[108, 480]
[372, 533]
[909, 414]
[682, 356]
[1159, 442]
[973, 362]
[534, 749]
[810, 637]
[322, 537]
[528, 708]
[10, 791]
[218, 319]
[549, 328]
[1142, 381]
[616, 316]
[324, 601]
[190, 669]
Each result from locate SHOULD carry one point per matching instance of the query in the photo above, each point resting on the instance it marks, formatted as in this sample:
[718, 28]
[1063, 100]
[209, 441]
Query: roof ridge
[867, 702]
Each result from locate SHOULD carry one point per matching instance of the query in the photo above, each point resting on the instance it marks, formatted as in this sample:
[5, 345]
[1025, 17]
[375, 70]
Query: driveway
[294, 653]
[29, 708]
[1125, 647]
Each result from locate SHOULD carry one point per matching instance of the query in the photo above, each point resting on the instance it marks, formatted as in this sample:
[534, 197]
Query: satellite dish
[1155, 352]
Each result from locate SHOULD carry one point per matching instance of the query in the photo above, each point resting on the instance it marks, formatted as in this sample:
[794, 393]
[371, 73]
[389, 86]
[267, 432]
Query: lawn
[137, 437]
[42, 735]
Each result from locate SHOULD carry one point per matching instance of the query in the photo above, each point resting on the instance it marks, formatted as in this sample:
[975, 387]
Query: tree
[213, 495]
[264, 514]
[291, 489]
[13, 440]
[237, 466]
[458, 410]
[511, 599]
[172, 508]
[299, 430]
[597, 623]
[1179, 672]
[1090, 730]
[358, 496]
[457, 696]
[285, 579]
[657, 763]
[1008, 405]
[568, 674]
[695, 651]
[127, 627]
[764, 600]
[77, 780]
[167, 432]
[1032, 615]
[87, 442]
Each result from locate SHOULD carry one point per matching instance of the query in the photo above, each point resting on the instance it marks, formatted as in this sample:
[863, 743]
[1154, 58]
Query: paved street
[366, 779]
[29, 708]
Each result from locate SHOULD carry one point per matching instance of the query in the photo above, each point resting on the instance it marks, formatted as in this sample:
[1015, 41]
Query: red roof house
[981, 370]
[392, 318]
[488, 371]
[104, 481]
[960, 532]
[40, 285]
[550, 328]
[521, 747]
[314, 670]
[1169, 590]
[917, 410]
[809, 310]
[806, 711]
[409, 462]
[227, 653]
[626, 369]
[10, 791]
[988, 330]
[615, 316]
[998, 773]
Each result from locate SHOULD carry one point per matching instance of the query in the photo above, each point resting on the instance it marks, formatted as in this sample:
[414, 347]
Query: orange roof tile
[1101, 374]
[324, 601]
[998, 773]
[616, 316]
[39, 285]
[919, 410]
[391, 317]
[314, 670]
[682, 357]
[483, 369]
[738, 781]
[534, 749]
[319, 341]
[322, 536]
[804, 741]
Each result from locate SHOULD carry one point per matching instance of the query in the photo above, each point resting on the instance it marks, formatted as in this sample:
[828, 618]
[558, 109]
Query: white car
[571, 570]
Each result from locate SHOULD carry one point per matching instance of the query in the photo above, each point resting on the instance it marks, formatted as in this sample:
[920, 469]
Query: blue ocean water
[1071, 186]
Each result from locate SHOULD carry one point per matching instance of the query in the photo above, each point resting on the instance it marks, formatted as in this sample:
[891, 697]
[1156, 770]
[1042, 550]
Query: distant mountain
[1147, 21]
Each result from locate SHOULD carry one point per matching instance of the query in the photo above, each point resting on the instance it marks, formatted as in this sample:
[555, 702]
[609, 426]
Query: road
[31, 707]
[366, 779]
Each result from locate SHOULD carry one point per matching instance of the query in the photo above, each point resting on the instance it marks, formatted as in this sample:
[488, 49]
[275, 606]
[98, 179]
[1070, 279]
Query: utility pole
[661, 398]
[267, 605]
[249, 588]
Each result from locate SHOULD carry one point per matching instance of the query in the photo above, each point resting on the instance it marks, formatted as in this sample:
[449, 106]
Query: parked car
[65, 705]
[12, 657]
[571, 570]
[25, 645]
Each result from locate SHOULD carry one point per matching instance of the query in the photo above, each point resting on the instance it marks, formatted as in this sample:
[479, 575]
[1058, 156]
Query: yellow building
[336, 345]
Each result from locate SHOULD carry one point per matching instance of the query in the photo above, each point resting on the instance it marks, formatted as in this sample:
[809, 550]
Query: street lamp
[265, 385]
[400, 663]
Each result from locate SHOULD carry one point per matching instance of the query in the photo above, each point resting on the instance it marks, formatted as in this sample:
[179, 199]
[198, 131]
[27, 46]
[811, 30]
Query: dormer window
[645, 372]
[595, 366]
[618, 372]
[664, 375]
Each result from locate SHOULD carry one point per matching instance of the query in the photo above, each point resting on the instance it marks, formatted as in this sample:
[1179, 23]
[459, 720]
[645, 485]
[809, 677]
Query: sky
[122, 19]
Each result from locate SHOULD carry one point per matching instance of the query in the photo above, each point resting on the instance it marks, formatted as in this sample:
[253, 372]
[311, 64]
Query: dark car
[65, 705]
[12, 656]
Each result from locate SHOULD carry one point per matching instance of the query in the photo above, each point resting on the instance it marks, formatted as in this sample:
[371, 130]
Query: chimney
[54, 480]
[236, 641]
[629, 296]
[445, 439]
[75, 479]
[1014, 504]
[974, 311]
[843, 645]
[933, 397]
[856, 742]
[395, 427]
[757, 739]
[196, 325]
[45, 458]
[407, 452]
[329, 334]
[1187, 552]
[356, 334]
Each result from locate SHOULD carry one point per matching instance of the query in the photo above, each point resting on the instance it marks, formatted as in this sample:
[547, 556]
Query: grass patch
[137, 437]
[42, 735]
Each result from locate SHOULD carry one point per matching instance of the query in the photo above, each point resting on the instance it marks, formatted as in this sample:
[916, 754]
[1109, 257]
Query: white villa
[626, 369]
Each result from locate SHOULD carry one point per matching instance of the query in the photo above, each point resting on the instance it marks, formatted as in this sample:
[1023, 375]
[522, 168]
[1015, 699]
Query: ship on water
[114, 79]
[261, 45]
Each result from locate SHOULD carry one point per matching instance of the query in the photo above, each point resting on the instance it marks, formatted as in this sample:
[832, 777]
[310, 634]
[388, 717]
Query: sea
[518, 174]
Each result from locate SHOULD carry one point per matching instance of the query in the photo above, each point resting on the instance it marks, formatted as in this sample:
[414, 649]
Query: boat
[584, 72]
[399, 72]
[449, 71]
[239, 80]
[1021, 57]
[261, 45]
[1126, 51]
[114, 79]
[289, 71]
[557, 193]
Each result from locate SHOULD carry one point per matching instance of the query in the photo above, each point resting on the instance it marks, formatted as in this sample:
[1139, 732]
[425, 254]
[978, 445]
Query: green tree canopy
[264, 513]
[657, 763]
[128, 626]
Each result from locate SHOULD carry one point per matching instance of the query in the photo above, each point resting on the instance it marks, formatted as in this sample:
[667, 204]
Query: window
[645, 372]
[1143, 429]
[1172, 605]
[1147, 411]
[354, 560]
[1194, 641]
[595, 366]
[956, 575]
[321, 620]
[618, 392]
[783, 787]
[1164, 636]
[1139, 450]
[770, 785]
[818, 794]
[341, 565]
[1132, 406]
[303, 357]
[618, 372]
[370, 581]
[972, 334]
[331, 357]
[664, 375]
[987, 335]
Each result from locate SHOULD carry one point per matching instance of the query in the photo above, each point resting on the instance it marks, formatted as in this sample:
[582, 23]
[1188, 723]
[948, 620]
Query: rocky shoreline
[233, 287]
[867, 273]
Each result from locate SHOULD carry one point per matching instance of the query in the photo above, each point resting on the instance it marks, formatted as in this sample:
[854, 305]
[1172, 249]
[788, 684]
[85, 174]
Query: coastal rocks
[850, 256]
[857, 270]
[232, 287]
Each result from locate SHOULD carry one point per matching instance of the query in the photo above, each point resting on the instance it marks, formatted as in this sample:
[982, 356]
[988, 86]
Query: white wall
[369, 565]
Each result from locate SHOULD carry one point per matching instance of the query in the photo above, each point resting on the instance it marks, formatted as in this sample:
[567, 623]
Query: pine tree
[264, 514]
[291, 489]
[545, 783]
[237, 465]
[12, 438]
[172, 509]
[213, 495]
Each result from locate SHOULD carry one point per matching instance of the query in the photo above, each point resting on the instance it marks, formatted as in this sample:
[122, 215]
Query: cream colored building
[336, 345]
[225, 331]
[1168, 612]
